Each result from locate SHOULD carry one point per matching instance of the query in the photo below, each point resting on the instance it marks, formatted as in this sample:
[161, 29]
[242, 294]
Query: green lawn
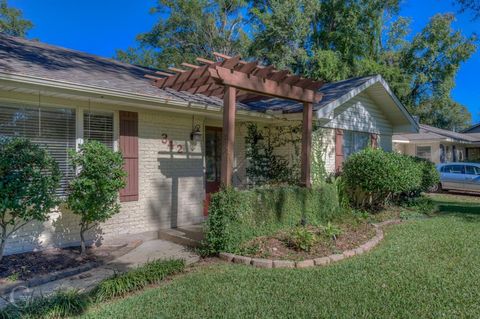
[428, 268]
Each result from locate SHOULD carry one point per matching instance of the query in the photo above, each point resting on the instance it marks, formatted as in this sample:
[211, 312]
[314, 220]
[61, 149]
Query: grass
[425, 268]
[72, 302]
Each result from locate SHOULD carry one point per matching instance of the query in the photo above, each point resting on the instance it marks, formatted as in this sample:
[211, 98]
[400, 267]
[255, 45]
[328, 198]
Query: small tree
[94, 191]
[29, 177]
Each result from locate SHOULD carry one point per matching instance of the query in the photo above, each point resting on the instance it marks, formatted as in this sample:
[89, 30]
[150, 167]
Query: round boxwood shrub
[374, 177]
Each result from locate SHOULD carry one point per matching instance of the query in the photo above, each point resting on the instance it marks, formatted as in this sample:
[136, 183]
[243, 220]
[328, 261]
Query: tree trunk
[82, 241]
[3, 242]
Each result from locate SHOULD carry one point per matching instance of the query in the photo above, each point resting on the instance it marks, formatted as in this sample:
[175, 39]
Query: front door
[213, 155]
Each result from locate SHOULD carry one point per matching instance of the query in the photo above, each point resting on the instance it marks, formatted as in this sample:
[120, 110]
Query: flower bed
[279, 246]
[312, 261]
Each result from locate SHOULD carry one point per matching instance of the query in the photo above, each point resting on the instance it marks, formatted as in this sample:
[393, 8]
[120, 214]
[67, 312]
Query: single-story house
[438, 145]
[171, 139]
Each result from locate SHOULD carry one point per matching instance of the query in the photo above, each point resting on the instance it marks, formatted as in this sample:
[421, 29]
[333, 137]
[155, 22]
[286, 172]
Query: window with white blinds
[98, 126]
[51, 128]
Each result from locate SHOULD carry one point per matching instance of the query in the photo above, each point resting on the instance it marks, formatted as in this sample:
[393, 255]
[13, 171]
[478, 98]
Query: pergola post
[228, 135]
[306, 145]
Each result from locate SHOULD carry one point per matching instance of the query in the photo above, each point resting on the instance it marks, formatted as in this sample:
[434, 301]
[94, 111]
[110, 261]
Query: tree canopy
[12, 21]
[327, 39]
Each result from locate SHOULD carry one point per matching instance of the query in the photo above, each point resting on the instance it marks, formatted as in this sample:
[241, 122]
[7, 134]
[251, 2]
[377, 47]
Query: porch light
[196, 135]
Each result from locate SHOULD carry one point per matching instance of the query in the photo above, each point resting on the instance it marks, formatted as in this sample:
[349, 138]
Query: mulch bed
[274, 247]
[29, 265]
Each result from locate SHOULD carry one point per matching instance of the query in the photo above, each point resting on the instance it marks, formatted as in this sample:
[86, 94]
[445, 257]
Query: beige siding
[360, 114]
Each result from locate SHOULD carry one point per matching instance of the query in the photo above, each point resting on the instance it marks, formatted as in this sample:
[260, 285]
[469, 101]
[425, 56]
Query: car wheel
[436, 188]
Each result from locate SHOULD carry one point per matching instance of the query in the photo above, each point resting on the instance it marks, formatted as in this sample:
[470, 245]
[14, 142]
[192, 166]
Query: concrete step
[187, 236]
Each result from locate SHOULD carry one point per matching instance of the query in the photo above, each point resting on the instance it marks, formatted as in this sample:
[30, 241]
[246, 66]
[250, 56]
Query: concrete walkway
[147, 251]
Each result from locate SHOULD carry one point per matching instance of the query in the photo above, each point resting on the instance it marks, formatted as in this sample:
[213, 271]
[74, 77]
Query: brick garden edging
[322, 261]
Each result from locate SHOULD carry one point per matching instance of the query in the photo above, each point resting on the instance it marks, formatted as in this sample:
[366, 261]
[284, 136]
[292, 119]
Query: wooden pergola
[234, 79]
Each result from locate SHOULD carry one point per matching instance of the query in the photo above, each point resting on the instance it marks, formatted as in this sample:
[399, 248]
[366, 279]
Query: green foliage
[430, 175]
[62, 304]
[12, 21]
[69, 303]
[300, 238]
[318, 170]
[265, 165]
[94, 190]
[374, 176]
[29, 178]
[424, 269]
[332, 231]
[422, 205]
[187, 29]
[238, 216]
[136, 279]
[432, 82]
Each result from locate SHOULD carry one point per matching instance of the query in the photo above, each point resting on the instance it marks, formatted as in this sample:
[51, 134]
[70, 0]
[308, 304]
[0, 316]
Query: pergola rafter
[234, 79]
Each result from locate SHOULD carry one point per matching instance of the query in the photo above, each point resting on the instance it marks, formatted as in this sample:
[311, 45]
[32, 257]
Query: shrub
[430, 175]
[300, 238]
[94, 190]
[59, 305]
[136, 279]
[29, 178]
[374, 176]
[237, 216]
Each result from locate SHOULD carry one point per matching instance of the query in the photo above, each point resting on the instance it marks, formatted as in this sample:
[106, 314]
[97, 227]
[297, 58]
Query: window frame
[419, 146]
[79, 113]
[79, 123]
[354, 135]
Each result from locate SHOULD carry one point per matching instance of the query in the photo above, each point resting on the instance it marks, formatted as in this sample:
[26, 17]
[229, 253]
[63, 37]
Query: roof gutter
[135, 99]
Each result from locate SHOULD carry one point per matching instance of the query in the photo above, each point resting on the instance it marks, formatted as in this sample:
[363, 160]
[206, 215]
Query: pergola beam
[238, 80]
[254, 84]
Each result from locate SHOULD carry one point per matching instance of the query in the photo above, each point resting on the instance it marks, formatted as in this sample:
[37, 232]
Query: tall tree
[187, 29]
[469, 5]
[12, 21]
[433, 59]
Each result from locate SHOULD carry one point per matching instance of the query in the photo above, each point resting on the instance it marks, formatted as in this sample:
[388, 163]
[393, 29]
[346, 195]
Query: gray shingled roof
[428, 132]
[331, 92]
[33, 58]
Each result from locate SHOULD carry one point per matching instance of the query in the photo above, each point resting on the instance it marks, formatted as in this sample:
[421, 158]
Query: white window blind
[354, 142]
[51, 128]
[98, 126]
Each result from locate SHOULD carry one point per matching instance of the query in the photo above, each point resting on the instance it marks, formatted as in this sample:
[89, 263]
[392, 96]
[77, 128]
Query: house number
[171, 144]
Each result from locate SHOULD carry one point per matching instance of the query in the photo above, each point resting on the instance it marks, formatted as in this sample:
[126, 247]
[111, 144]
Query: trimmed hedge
[238, 216]
[375, 177]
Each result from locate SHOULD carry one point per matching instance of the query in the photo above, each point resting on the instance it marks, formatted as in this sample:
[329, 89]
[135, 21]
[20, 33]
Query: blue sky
[101, 26]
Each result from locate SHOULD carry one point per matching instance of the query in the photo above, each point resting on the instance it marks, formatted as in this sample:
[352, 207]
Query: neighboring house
[439, 145]
[171, 140]
[473, 129]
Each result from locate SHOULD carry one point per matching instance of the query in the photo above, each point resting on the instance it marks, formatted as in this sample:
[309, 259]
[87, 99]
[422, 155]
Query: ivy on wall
[319, 149]
[273, 154]
[265, 163]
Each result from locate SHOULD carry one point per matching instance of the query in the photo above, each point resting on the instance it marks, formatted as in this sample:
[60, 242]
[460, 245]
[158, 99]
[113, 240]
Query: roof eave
[135, 99]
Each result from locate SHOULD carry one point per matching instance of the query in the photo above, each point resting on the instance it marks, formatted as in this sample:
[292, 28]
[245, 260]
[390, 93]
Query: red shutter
[338, 150]
[129, 149]
[374, 140]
